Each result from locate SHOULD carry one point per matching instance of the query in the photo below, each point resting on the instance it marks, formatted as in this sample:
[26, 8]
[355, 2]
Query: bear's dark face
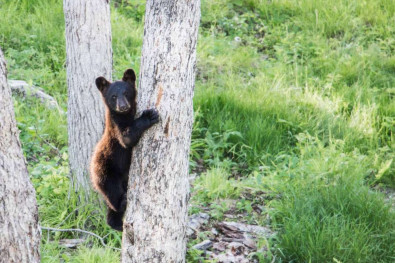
[119, 96]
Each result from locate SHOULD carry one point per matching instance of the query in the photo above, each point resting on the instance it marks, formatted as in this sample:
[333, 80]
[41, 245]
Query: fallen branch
[81, 231]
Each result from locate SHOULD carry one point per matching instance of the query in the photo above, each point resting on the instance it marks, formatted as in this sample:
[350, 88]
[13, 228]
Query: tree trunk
[19, 229]
[89, 55]
[158, 192]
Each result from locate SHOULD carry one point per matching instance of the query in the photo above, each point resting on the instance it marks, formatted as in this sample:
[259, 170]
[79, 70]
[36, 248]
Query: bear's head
[119, 96]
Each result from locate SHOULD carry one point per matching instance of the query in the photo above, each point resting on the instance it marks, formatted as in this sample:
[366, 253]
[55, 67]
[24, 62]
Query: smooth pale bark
[158, 192]
[19, 230]
[89, 55]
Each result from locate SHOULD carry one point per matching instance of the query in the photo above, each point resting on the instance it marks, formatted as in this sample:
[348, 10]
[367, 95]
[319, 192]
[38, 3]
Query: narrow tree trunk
[89, 55]
[19, 229]
[158, 191]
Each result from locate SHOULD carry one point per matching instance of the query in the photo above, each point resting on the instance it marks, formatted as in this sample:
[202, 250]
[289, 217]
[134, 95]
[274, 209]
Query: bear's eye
[114, 97]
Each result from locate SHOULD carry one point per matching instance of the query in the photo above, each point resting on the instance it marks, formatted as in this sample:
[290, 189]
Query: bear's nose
[124, 108]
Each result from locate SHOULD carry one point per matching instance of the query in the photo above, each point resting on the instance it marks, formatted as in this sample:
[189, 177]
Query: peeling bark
[158, 192]
[19, 229]
[89, 55]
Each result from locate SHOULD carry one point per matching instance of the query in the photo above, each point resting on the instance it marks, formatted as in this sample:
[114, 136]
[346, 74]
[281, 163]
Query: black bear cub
[112, 156]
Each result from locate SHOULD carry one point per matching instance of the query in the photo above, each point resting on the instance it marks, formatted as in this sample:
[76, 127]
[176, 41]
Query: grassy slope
[297, 96]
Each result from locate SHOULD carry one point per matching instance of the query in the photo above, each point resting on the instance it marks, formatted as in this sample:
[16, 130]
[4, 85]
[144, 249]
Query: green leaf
[384, 168]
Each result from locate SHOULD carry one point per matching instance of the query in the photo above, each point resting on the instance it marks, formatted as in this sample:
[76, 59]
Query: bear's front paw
[152, 115]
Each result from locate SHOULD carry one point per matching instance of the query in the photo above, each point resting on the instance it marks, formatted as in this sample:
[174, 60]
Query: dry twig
[81, 231]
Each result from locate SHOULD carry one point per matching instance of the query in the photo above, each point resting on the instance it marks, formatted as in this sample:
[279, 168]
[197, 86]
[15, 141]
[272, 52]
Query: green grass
[342, 221]
[215, 184]
[327, 212]
[294, 98]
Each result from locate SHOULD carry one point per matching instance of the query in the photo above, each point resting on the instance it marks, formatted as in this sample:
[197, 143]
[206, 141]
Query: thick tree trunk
[158, 192]
[19, 229]
[89, 55]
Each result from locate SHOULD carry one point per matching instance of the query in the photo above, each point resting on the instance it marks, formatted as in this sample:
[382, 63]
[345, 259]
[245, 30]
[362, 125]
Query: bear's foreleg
[133, 134]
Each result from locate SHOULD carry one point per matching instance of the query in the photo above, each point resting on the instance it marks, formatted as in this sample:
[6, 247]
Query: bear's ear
[129, 76]
[102, 84]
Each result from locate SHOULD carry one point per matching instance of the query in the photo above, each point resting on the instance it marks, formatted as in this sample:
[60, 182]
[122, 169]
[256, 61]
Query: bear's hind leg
[114, 194]
[114, 219]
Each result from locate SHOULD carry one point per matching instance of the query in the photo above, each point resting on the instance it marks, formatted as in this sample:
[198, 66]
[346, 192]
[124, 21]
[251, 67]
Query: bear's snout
[123, 105]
